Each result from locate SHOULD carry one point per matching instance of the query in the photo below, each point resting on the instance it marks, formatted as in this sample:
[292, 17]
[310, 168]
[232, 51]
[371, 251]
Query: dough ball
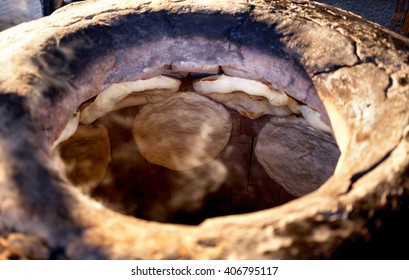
[184, 131]
[296, 156]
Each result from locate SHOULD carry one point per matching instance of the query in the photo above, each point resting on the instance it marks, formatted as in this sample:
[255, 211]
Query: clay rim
[167, 44]
[62, 99]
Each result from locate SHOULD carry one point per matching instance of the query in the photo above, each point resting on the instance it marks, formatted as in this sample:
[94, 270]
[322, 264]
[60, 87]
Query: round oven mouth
[189, 146]
[331, 63]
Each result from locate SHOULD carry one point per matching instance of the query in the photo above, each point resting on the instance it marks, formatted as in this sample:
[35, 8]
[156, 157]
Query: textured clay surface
[52, 65]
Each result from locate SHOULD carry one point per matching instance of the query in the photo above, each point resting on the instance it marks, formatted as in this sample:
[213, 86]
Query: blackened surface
[60, 64]
[11, 105]
[38, 188]
[385, 235]
[137, 29]
[258, 35]
[131, 30]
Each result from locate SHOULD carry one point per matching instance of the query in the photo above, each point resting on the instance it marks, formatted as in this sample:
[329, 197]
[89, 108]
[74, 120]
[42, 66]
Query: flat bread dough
[86, 155]
[184, 131]
[112, 98]
[249, 106]
[295, 155]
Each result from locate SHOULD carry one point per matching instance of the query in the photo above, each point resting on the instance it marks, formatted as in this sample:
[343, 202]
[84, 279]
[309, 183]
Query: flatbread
[184, 131]
[107, 100]
[250, 106]
[295, 155]
[86, 155]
